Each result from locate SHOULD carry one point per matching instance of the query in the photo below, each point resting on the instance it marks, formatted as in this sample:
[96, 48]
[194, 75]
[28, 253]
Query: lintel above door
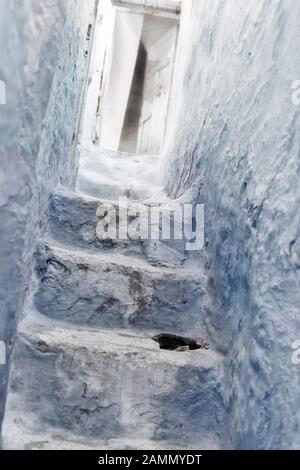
[167, 8]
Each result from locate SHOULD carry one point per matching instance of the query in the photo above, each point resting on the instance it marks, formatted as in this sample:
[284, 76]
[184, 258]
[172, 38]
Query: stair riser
[116, 296]
[73, 221]
[93, 394]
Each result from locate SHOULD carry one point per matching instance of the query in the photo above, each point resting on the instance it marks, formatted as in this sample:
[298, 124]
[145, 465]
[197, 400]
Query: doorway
[159, 37]
[136, 85]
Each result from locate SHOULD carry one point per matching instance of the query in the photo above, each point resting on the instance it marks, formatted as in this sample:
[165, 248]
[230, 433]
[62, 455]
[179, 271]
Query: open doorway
[137, 77]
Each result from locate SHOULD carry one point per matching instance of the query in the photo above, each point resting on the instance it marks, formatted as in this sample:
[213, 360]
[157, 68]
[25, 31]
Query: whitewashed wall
[121, 56]
[98, 71]
[234, 132]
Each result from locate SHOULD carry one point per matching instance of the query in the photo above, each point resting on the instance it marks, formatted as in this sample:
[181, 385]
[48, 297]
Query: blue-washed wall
[42, 63]
[235, 132]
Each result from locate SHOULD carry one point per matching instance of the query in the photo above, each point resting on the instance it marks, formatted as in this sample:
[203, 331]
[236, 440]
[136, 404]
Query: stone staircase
[85, 372]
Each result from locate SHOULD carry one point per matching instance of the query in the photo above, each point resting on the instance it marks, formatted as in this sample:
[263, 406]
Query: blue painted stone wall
[235, 134]
[42, 62]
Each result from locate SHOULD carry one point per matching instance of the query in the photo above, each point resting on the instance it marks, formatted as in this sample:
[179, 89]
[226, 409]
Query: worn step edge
[48, 441]
[79, 255]
[36, 327]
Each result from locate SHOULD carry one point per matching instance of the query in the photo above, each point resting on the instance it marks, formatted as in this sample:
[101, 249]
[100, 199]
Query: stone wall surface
[42, 64]
[234, 135]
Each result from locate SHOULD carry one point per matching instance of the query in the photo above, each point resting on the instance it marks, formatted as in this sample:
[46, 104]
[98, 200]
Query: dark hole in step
[179, 343]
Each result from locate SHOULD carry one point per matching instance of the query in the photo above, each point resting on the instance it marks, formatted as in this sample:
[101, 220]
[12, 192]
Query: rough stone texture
[73, 222]
[42, 63]
[235, 134]
[85, 370]
[90, 387]
[112, 290]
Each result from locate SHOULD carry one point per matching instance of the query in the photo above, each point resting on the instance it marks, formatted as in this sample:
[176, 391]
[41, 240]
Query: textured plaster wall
[234, 134]
[42, 63]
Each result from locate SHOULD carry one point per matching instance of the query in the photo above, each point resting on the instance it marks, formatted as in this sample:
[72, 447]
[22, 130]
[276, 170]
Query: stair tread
[81, 255]
[138, 346]
[70, 194]
[100, 170]
[53, 441]
[86, 198]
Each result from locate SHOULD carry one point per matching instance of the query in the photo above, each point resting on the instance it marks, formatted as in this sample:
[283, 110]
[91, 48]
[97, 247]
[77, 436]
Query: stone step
[109, 189]
[73, 220]
[110, 175]
[53, 440]
[112, 290]
[87, 387]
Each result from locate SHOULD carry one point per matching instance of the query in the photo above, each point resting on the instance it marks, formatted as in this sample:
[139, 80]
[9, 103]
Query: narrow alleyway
[204, 98]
